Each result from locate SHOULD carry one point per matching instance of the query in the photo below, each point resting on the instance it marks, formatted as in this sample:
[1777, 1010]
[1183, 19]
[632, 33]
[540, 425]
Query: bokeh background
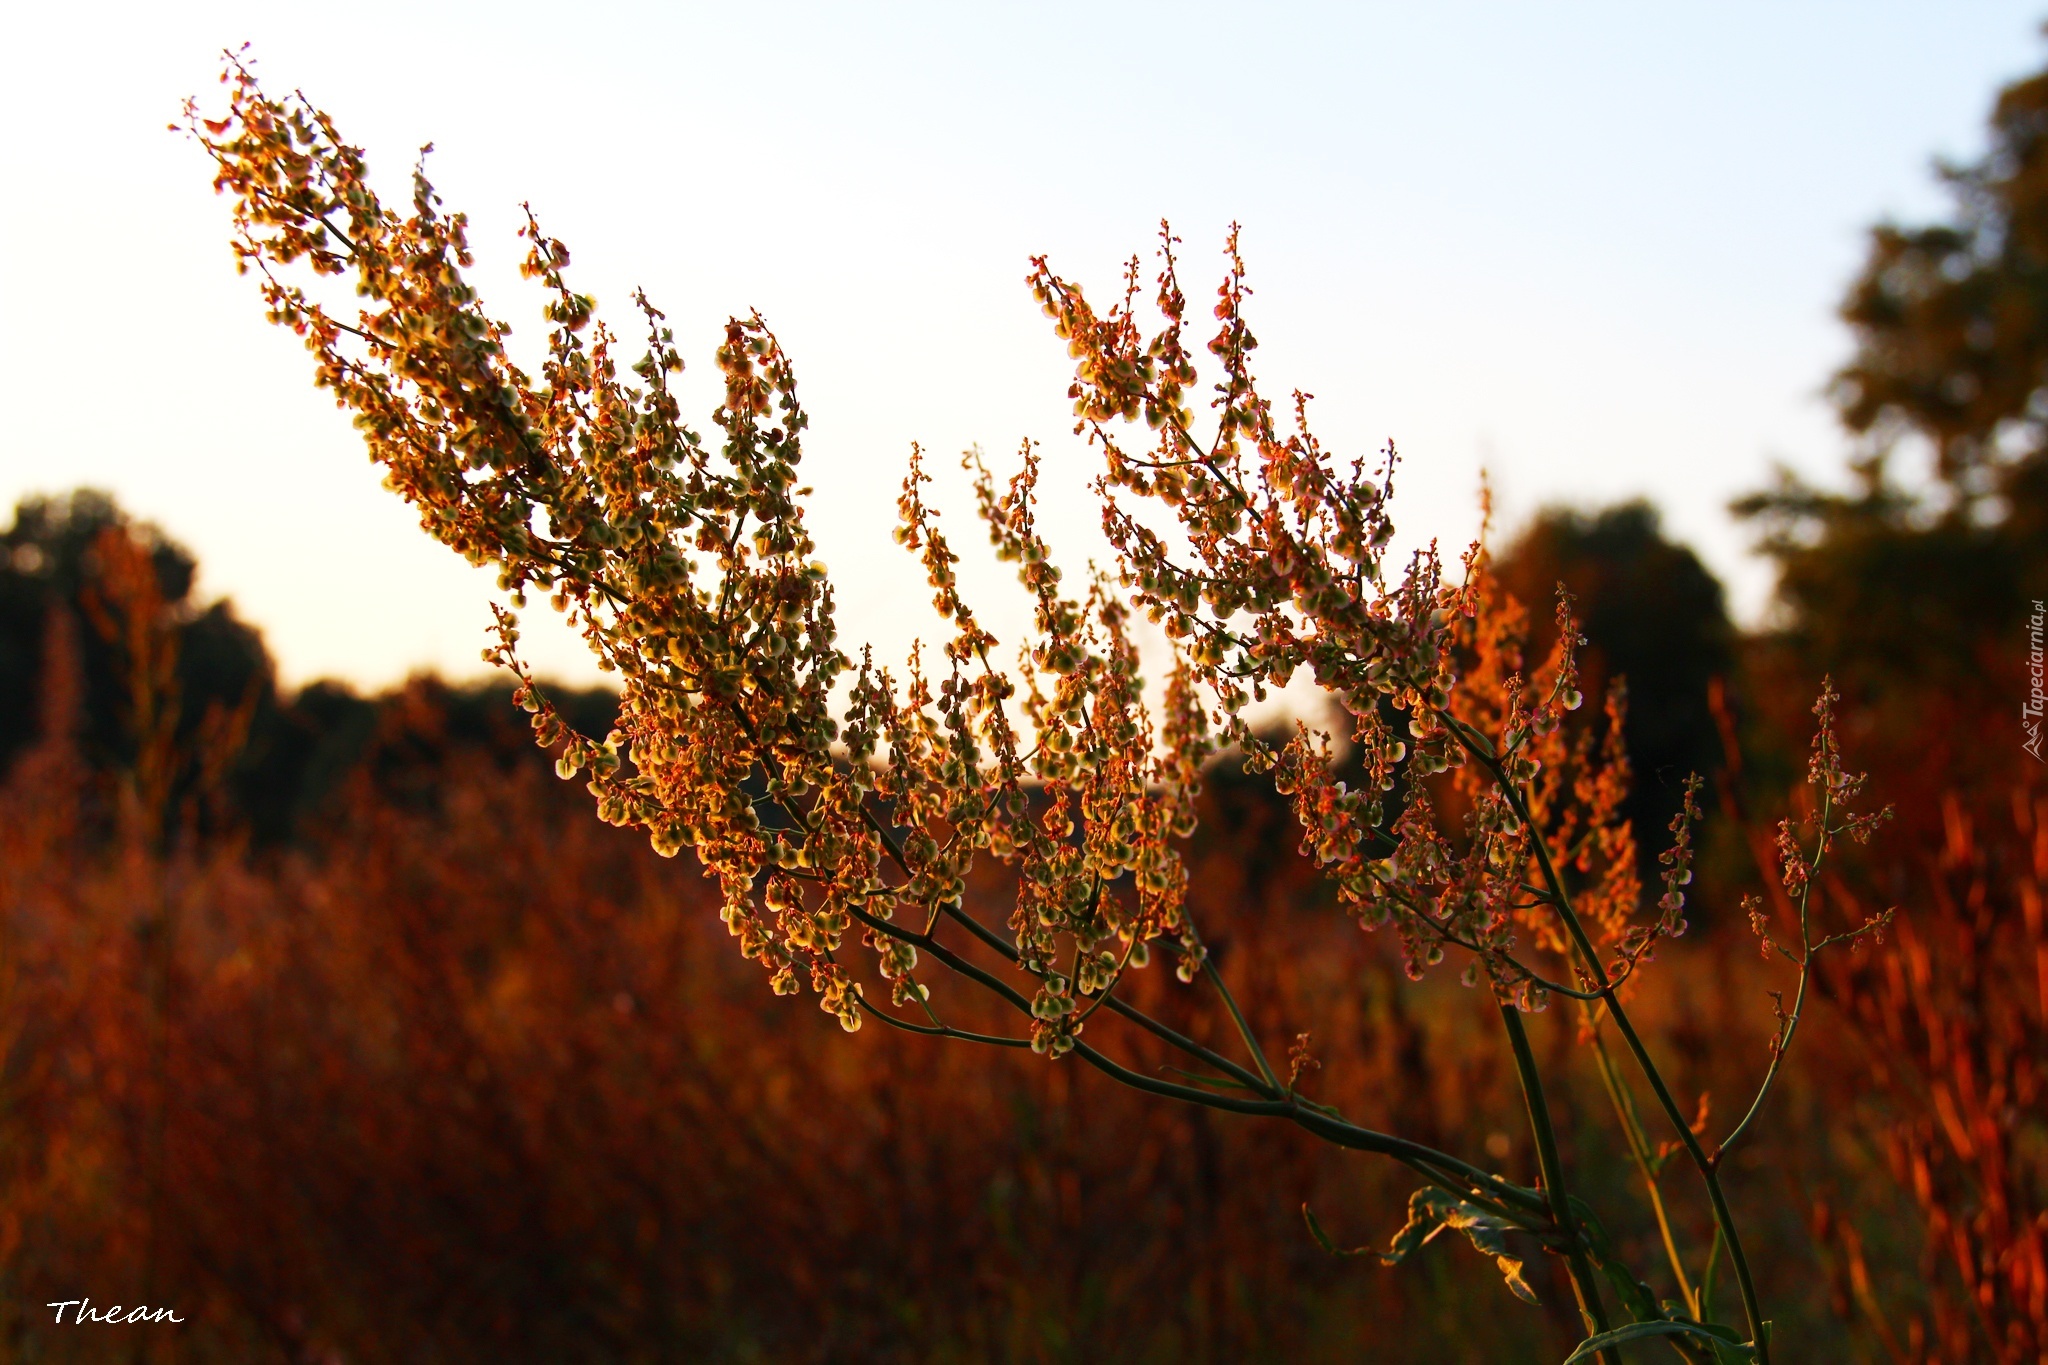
[332, 1020]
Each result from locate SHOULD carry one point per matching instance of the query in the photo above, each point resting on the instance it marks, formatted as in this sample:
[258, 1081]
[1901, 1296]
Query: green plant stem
[1137, 1016]
[1477, 745]
[1522, 1207]
[1584, 1284]
[1244, 1030]
[1724, 1218]
[1778, 1050]
[1707, 1276]
[1439, 1168]
[1639, 1148]
[1790, 1025]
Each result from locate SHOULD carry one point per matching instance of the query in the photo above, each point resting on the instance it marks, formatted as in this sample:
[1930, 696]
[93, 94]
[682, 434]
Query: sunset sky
[1593, 248]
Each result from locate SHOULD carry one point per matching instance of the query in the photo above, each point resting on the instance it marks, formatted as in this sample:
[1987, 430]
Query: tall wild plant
[842, 805]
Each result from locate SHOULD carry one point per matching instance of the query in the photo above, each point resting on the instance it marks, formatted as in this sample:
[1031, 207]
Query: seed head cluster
[834, 798]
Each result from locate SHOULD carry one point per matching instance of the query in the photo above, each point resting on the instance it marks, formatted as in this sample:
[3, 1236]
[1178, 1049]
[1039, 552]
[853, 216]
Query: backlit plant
[842, 804]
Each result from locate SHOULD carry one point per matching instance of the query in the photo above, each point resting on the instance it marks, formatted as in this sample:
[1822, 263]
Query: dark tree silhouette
[1652, 614]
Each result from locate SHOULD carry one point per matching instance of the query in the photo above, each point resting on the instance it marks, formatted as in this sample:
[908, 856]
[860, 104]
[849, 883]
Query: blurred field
[340, 1026]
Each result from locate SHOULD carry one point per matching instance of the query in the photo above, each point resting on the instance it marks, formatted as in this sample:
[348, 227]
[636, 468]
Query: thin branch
[1120, 1007]
[1646, 1164]
[940, 1031]
[1789, 1023]
[1584, 1284]
[1244, 1030]
[1438, 1167]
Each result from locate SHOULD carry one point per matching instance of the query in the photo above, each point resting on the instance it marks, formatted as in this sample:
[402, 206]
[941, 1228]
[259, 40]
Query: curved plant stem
[1707, 1276]
[1724, 1219]
[1645, 1159]
[1525, 1208]
[1584, 1284]
[1244, 1030]
[1790, 1024]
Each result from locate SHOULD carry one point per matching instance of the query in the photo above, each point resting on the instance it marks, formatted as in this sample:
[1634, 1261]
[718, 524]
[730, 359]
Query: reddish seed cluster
[1832, 788]
[688, 569]
[829, 796]
[1275, 562]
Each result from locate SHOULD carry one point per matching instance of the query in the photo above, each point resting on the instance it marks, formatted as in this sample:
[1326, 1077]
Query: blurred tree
[1893, 596]
[1916, 599]
[55, 557]
[1951, 319]
[288, 755]
[1651, 614]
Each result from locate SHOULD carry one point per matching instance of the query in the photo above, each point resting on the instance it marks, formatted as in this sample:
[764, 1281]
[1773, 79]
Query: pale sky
[1595, 248]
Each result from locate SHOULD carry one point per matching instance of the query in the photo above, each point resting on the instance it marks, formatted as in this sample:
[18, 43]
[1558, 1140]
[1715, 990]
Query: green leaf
[1697, 1352]
[1642, 1331]
[1431, 1211]
[1636, 1296]
[1323, 1238]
